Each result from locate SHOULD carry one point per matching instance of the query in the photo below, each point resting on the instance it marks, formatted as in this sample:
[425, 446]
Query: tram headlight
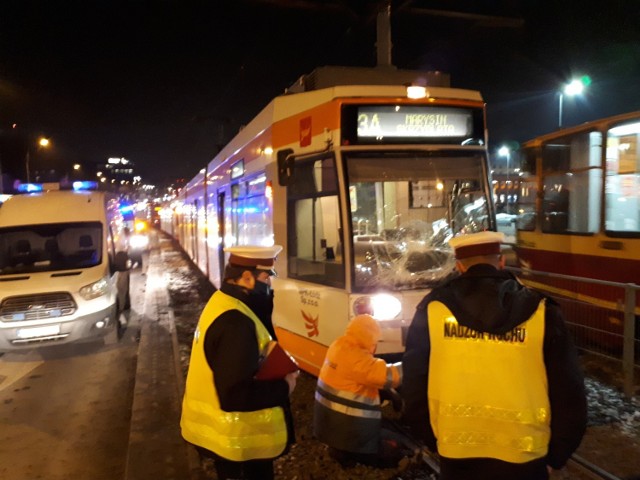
[382, 306]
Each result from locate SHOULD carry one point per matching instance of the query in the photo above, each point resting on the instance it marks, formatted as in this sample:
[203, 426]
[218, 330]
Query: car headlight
[381, 306]
[138, 241]
[95, 289]
[140, 226]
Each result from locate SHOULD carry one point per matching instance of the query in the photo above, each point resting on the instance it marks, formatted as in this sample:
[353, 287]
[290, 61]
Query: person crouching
[347, 408]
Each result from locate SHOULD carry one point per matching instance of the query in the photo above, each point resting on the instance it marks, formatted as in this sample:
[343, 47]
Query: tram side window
[572, 179]
[527, 190]
[622, 186]
[314, 227]
[251, 213]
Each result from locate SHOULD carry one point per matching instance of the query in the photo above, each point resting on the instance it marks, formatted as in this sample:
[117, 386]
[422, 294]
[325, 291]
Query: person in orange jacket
[347, 408]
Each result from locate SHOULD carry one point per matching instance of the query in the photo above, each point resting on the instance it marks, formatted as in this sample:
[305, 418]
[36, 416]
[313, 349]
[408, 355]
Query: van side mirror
[122, 262]
[285, 166]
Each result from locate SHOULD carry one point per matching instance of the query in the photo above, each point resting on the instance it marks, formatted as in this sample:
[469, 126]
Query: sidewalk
[156, 448]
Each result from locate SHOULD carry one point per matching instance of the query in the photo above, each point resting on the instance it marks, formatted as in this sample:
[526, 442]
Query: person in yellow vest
[243, 423]
[347, 412]
[492, 380]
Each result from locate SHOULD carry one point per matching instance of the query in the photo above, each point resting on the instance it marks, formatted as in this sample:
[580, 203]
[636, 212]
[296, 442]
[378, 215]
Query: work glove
[392, 396]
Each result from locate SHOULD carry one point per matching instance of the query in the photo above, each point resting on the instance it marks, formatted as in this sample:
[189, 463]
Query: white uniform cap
[253, 256]
[477, 244]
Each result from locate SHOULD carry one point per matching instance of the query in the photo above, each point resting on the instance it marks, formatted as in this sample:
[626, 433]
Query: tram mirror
[285, 166]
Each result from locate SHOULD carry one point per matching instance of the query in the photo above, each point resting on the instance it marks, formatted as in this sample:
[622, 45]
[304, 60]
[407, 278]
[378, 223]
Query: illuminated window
[622, 182]
[237, 169]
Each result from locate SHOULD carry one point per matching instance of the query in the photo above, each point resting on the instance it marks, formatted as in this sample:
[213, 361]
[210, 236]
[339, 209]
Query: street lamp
[573, 88]
[505, 151]
[42, 143]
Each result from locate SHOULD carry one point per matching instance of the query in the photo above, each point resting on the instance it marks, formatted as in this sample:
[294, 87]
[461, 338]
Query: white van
[63, 269]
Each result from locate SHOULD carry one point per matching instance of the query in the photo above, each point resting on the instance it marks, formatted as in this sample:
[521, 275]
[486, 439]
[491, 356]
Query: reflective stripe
[399, 369]
[536, 416]
[347, 396]
[389, 382]
[523, 444]
[338, 406]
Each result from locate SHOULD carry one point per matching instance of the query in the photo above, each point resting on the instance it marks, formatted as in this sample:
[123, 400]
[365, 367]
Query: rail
[432, 463]
[625, 305]
[589, 469]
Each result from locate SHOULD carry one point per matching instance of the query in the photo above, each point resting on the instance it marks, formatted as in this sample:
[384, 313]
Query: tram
[361, 184]
[579, 215]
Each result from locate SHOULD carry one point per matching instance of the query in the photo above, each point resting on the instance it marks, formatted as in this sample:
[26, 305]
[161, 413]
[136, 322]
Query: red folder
[277, 363]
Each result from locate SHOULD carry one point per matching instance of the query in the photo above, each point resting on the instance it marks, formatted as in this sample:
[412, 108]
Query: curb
[156, 448]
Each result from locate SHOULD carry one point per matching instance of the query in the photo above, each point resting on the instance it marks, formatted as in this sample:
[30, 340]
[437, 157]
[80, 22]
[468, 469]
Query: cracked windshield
[404, 209]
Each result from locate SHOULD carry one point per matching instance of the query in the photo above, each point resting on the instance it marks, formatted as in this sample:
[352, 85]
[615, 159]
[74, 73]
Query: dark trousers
[491, 469]
[249, 470]
[391, 450]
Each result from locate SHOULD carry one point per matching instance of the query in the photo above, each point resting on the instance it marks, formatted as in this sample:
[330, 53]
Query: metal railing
[601, 315]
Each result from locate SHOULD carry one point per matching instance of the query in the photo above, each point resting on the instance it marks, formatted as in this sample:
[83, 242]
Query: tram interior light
[628, 129]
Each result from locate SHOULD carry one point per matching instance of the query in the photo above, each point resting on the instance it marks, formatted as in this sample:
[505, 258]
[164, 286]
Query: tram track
[308, 458]
[431, 463]
[590, 469]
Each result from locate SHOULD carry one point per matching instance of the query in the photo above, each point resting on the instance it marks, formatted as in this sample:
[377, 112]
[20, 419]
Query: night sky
[163, 83]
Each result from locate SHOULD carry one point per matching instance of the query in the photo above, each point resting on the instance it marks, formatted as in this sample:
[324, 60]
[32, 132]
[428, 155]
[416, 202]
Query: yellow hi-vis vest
[488, 393]
[236, 436]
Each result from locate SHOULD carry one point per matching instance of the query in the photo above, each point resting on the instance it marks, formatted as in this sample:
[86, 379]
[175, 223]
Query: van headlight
[381, 306]
[95, 289]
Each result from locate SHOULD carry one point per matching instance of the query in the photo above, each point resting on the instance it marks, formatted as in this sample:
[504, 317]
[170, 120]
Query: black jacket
[486, 299]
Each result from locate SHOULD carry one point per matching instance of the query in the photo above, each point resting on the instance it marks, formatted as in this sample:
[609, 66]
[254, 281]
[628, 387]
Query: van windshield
[50, 247]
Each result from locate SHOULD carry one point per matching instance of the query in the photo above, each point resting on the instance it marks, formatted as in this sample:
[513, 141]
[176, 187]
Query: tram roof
[599, 124]
[294, 102]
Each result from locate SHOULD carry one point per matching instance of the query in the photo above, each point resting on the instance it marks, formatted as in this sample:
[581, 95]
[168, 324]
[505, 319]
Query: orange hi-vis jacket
[236, 436]
[347, 413]
[488, 392]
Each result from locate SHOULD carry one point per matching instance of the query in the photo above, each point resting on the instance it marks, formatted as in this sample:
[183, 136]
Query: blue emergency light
[85, 185]
[30, 187]
[126, 208]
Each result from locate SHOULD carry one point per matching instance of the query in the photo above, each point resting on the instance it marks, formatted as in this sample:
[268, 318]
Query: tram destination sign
[413, 121]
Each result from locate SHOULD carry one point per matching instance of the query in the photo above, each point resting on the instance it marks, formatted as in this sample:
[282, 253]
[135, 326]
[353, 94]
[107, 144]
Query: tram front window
[404, 209]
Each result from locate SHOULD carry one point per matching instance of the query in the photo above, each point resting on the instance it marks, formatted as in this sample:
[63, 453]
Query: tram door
[221, 233]
[194, 232]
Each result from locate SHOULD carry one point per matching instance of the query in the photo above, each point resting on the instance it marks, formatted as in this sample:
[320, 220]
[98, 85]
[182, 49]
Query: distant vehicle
[63, 268]
[506, 223]
[579, 215]
[137, 240]
[361, 183]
